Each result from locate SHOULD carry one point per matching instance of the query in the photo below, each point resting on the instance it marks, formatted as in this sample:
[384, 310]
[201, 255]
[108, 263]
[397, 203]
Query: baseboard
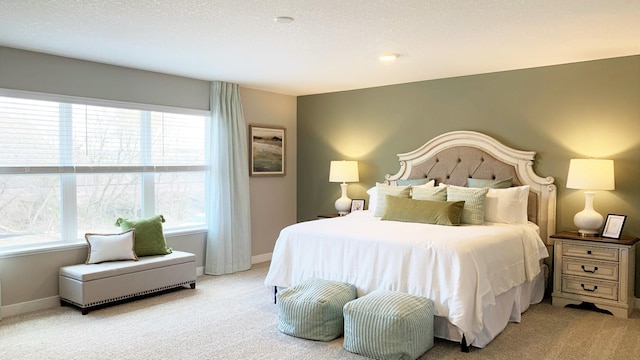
[29, 306]
[261, 258]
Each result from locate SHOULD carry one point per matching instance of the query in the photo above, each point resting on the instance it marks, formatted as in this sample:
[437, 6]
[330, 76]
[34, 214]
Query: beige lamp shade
[589, 175]
[343, 171]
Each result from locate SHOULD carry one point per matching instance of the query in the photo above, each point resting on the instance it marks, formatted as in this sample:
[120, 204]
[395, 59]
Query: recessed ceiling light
[283, 19]
[388, 57]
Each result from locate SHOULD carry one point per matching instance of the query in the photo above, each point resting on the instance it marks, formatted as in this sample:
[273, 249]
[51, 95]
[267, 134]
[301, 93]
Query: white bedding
[461, 268]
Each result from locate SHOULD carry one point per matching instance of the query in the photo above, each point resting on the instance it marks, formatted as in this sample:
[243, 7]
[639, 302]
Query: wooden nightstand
[596, 270]
[327, 216]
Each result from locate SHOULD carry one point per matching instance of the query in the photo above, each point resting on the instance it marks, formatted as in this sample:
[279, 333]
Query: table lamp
[343, 171]
[590, 175]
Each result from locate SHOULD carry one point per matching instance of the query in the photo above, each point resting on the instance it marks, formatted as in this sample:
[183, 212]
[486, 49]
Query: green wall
[588, 109]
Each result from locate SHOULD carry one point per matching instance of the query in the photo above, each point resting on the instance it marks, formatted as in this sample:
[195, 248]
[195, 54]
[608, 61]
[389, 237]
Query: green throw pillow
[423, 211]
[149, 239]
[494, 184]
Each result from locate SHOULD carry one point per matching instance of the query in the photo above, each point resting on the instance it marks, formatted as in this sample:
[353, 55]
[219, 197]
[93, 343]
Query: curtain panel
[228, 247]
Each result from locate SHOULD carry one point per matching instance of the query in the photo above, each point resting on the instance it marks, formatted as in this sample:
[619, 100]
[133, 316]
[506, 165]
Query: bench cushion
[88, 272]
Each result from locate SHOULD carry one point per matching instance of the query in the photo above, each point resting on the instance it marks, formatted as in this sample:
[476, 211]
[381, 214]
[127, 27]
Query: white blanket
[461, 268]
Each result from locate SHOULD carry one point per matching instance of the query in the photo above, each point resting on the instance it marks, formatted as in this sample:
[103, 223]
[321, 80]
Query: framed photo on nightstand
[357, 205]
[613, 226]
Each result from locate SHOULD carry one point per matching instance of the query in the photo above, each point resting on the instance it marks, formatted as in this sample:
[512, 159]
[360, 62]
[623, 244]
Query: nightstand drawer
[590, 269]
[589, 287]
[590, 252]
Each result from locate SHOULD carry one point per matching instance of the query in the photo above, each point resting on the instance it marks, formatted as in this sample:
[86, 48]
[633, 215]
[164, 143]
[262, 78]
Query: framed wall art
[267, 153]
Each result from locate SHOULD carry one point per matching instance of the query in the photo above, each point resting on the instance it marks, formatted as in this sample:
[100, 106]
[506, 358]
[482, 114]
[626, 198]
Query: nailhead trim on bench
[124, 297]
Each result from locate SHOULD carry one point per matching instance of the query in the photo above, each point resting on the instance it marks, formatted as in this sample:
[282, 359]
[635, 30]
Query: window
[68, 168]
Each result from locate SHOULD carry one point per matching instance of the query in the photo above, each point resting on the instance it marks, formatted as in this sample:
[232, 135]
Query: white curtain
[229, 236]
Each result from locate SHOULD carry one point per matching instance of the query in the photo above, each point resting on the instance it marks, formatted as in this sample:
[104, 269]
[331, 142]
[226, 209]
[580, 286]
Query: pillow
[474, 199]
[110, 247]
[149, 237]
[434, 194]
[415, 182]
[507, 205]
[423, 211]
[383, 190]
[494, 184]
[373, 198]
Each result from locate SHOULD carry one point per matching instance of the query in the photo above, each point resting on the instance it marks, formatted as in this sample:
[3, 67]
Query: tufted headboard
[453, 157]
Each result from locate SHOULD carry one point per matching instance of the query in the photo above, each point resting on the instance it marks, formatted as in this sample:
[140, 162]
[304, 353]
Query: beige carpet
[233, 317]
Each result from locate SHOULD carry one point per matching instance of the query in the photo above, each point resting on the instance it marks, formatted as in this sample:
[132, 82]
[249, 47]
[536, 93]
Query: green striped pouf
[389, 325]
[312, 309]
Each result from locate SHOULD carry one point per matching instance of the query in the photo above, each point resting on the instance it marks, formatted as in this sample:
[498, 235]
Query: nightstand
[596, 270]
[327, 216]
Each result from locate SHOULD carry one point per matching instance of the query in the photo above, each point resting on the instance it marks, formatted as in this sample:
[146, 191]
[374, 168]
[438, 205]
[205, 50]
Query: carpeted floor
[233, 317]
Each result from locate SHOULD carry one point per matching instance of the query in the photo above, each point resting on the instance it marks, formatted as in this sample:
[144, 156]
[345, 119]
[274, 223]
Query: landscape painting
[267, 150]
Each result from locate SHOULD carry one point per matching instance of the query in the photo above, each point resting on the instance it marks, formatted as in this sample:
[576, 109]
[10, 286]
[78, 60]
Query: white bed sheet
[461, 268]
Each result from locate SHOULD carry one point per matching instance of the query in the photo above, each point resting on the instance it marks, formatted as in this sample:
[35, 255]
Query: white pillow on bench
[111, 247]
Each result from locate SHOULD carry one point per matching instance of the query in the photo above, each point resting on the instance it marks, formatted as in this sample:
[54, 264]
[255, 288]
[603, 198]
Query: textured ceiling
[332, 45]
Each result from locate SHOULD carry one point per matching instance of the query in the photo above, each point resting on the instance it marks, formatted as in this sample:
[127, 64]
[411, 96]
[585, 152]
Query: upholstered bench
[389, 325]
[91, 285]
[312, 309]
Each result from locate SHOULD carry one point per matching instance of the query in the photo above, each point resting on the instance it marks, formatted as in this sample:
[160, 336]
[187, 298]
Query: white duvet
[461, 268]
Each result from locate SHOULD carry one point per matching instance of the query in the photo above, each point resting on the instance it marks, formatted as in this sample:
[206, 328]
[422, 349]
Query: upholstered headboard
[453, 157]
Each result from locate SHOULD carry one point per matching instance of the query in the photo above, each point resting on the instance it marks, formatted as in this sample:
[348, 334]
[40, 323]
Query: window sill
[190, 230]
[71, 245]
[42, 248]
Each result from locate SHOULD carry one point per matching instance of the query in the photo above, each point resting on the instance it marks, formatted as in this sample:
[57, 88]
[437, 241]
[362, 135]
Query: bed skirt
[508, 308]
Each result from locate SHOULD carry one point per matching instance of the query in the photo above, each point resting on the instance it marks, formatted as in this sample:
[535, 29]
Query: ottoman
[389, 325]
[312, 309]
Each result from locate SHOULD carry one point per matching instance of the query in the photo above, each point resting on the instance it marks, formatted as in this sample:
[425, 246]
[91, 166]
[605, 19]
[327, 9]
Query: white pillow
[429, 184]
[507, 205]
[373, 198]
[111, 247]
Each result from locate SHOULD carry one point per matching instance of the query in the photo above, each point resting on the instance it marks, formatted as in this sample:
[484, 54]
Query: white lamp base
[343, 204]
[588, 221]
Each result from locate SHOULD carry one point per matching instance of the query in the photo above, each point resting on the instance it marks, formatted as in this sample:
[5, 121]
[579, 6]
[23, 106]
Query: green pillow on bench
[149, 239]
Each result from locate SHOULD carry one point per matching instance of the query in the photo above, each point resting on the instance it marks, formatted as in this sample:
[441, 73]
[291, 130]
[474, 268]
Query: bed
[480, 277]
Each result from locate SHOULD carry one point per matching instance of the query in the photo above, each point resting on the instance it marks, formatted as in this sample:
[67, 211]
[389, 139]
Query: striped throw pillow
[383, 190]
[474, 199]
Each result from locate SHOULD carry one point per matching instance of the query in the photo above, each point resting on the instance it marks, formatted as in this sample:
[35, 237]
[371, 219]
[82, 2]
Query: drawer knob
[588, 252]
[595, 287]
[595, 268]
